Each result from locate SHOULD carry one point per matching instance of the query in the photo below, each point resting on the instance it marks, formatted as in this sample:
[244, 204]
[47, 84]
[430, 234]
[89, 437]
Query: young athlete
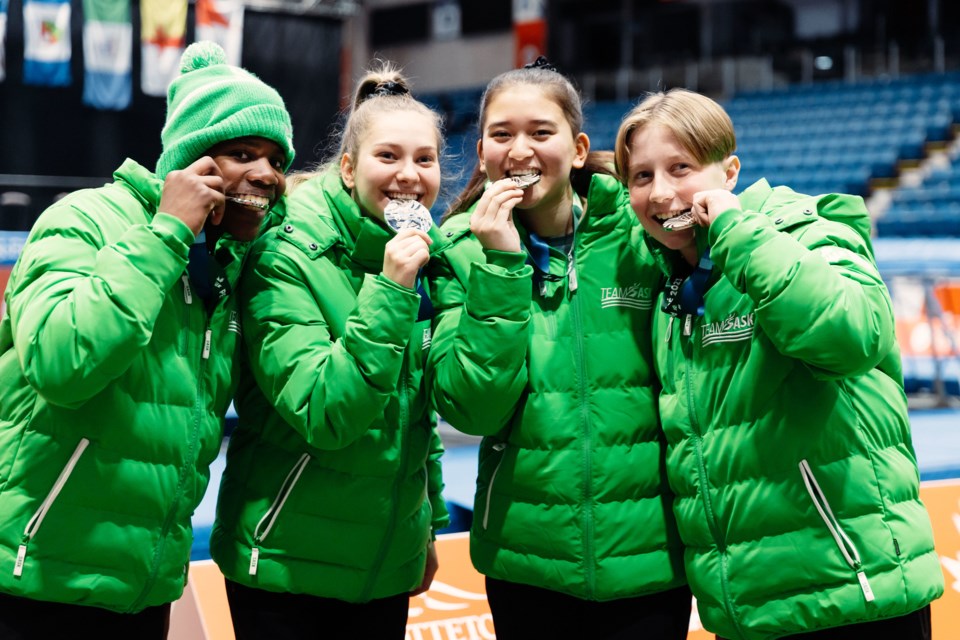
[540, 298]
[797, 490]
[332, 491]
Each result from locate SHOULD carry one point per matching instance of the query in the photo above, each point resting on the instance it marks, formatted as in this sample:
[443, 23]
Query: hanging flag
[107, 54]
[3, 39]
[221, 21]
[163, 29]
[529, 31]
[46, 42]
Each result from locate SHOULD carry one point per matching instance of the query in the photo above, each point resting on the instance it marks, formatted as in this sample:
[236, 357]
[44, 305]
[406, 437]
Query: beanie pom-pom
[202, 54]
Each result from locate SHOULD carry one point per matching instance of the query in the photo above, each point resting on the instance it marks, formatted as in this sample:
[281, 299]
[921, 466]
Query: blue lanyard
[685, 296]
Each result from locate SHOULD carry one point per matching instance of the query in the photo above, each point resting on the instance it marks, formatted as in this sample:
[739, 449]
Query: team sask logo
[733, 329]
[633, 296]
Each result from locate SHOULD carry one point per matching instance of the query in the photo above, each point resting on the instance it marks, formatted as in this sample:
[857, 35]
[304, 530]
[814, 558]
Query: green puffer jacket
[334, 489]
[789, 447]
[111, 406]
[572, 494]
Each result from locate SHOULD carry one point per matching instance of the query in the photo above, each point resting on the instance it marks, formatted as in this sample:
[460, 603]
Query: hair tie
[541, 63]
[390, 88]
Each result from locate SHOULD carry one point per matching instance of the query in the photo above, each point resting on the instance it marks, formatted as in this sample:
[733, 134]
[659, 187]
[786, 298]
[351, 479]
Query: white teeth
[403, 196]
[260, 202]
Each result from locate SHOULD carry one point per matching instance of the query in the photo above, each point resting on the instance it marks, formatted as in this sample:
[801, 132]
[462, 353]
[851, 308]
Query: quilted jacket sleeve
[330, 390]
[819, 295]
[478, 369]
[82, 304]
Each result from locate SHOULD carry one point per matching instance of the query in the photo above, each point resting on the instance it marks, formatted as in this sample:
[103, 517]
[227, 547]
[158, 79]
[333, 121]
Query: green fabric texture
[783, 400]
[212, 102]
[572, 493]
[339, 349]
[104, 385]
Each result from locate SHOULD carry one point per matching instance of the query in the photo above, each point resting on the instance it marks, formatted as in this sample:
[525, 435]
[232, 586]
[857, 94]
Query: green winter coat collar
[143, 183]
[362, 237]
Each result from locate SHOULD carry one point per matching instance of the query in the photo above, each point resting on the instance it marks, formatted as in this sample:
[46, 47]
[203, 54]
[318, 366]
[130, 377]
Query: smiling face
[253, 181]
[397, 159]
[663, 176]
[525, 132]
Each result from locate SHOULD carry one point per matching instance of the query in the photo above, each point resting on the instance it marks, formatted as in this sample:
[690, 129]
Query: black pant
[258, 615]
[523, 612]
[25, 619]
[913, 626]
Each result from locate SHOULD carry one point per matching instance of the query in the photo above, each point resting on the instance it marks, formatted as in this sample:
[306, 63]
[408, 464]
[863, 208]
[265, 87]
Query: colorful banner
[107, 54]
[3, 39]
[455, 607]
[46, 42]
[163, 29]
[221, 21]
[529, 31]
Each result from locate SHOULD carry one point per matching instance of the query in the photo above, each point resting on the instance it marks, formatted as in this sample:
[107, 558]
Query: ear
[483, 167]
[346, 171]
[582, 144]
[731, 168]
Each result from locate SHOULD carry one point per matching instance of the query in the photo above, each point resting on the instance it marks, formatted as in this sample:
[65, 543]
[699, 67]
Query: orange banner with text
[455, 608]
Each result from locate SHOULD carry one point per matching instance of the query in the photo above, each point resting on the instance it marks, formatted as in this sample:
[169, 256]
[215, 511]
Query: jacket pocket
[499, 447]
[846, 546]
[33, 526]
[262, 530]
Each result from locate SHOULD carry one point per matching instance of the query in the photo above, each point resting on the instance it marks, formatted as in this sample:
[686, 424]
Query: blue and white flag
[46, 42]
[107, 54]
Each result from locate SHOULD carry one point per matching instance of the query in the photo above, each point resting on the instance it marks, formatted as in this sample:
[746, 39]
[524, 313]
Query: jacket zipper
[500, 446]
[846, 546]
[270, 517]
[589, 560]
[188, 464]
[688, 342]
[34, 524]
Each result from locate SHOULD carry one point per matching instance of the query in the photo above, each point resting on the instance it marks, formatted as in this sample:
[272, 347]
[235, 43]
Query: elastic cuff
[174, 232]
[510, 260]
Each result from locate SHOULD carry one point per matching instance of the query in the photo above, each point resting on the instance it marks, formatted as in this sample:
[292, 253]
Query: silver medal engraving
[526, 180]
[407, 214]
[679, 222]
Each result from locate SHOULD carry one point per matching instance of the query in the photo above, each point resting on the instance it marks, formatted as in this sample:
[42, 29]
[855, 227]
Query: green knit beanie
[211, 102]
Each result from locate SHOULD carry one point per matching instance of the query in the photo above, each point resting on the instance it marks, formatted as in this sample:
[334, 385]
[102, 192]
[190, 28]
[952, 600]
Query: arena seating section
[828, 137]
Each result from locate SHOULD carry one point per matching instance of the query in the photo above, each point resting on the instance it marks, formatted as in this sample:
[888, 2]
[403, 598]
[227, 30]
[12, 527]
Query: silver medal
[407, 214]
[525, 181]
[679, 222]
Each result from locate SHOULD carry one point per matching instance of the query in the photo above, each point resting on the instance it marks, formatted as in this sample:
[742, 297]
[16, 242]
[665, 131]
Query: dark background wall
[49, 132]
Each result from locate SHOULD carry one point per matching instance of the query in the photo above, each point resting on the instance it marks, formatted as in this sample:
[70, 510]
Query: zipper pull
[573, 279]
[187, 294]
[543, 288]
[669, 330]
[865, 586]
[687, 324]
[254, 560]
[206, 343]
[21, 556]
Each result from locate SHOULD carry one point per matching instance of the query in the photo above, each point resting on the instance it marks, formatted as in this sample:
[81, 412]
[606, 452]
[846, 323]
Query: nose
[261, 170]
[660, 189]
[407, 171]
[520, 148]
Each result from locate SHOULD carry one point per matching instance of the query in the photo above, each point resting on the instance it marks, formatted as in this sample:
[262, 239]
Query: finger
[204, 166]
[217, 209]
